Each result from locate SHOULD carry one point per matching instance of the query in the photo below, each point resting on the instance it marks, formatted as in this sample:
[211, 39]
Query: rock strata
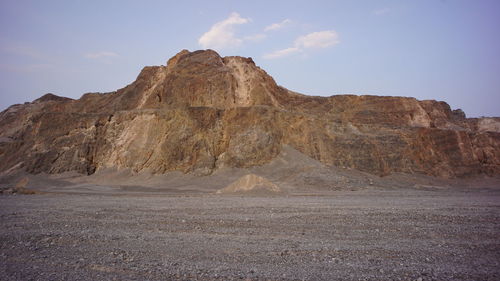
[202, 112]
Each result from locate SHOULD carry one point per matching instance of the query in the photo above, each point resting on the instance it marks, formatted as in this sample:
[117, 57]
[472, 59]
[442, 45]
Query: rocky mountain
[202, 112]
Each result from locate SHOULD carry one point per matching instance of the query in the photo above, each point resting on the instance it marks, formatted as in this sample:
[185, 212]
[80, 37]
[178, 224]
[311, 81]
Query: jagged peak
[204, 78]
[206, 57]
[50, 97]
[248, 60]
[173, 60]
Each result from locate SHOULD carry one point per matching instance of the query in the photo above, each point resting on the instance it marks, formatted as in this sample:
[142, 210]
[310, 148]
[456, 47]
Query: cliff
[202, 112]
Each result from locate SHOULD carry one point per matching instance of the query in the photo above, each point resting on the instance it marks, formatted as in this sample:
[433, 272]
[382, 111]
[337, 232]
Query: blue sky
[429, 49]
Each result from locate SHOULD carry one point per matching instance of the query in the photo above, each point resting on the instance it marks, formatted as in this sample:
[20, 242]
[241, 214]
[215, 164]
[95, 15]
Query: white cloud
[380, 12]
[320, 39]
[276, 26]
[314, 40]
[281, 53]
[255, 38]
[221, 35]
[99, 55]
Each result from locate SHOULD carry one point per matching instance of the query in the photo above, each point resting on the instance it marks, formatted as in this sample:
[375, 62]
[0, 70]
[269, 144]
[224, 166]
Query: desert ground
[132, 233]
[324, 223]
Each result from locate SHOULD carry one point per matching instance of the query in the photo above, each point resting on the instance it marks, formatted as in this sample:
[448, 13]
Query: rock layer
[202, 112]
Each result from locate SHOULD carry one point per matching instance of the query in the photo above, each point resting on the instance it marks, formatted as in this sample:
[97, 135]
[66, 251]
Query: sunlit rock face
[202, 112]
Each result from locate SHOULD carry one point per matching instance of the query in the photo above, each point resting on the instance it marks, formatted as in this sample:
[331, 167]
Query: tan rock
[202, 112]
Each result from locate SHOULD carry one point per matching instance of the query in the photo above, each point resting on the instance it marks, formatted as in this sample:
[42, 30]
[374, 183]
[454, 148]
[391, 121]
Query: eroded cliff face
[202, 112]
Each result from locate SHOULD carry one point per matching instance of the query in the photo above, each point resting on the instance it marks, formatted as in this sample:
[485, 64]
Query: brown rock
[202, 112]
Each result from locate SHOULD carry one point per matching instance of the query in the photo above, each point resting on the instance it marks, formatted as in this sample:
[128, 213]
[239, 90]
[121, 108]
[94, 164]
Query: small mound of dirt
[251, 184]
[19, 188]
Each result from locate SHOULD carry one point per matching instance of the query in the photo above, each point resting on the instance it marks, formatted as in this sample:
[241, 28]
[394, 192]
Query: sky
[445, 50]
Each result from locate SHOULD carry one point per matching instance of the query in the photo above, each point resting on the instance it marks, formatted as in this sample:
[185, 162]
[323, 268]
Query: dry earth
[368, 234]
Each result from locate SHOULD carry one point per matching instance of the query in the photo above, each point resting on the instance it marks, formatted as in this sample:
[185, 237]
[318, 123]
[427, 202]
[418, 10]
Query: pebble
[278, 248]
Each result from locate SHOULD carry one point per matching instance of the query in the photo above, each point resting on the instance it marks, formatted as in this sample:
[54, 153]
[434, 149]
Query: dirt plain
[143, 234]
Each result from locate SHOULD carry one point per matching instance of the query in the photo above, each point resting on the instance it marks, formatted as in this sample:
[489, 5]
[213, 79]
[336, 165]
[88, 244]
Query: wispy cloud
[255, 38]
[281, 53]
[277, 26]
[26, 68]
[221, 35]
[320, 39]
[314, 40]
[380, 12]
[33, 60]
[101, 55]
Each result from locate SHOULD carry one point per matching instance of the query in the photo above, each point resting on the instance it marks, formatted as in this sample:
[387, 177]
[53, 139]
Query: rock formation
[202, 112]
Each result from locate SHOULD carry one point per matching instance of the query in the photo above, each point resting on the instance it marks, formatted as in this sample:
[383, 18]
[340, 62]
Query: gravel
[399, 234]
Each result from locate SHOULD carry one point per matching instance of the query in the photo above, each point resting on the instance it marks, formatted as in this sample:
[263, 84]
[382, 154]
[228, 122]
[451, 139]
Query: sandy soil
[370, 234]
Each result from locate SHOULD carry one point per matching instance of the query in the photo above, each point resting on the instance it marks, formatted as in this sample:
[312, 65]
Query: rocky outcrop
[202, 112]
